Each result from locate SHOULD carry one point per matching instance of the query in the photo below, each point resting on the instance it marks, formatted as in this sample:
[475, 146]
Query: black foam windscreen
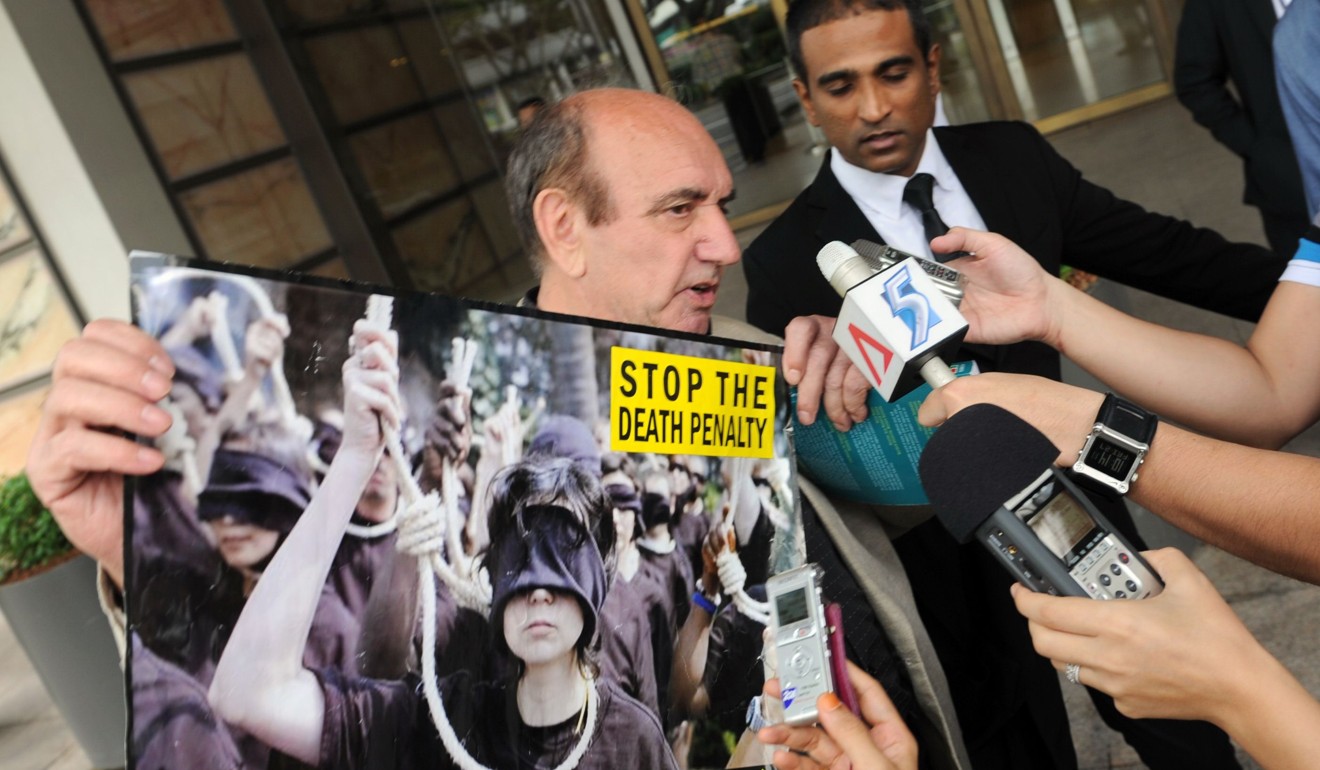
[978, 460]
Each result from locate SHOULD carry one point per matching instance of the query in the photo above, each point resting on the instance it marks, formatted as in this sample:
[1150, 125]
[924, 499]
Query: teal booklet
[876, 461]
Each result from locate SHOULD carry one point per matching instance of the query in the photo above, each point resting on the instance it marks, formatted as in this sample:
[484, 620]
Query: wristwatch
[1116, 447]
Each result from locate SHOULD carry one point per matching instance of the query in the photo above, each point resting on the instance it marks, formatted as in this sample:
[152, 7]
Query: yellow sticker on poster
[673, 404]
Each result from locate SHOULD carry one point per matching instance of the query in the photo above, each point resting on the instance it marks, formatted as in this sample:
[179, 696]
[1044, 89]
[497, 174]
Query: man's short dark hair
[552, 153]
[809, 14]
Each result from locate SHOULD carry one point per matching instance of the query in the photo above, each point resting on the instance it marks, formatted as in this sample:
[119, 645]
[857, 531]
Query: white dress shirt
[880, 197]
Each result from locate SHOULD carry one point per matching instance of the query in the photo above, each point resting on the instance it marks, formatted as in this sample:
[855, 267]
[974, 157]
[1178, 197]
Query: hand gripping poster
[407, 531]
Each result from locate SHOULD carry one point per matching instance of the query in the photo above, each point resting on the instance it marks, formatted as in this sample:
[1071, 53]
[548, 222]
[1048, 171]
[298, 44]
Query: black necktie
[918, 194]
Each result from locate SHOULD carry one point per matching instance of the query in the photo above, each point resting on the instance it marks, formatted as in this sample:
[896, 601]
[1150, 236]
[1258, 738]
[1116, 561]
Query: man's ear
[804, 96]
[559, 224]
[933, 65]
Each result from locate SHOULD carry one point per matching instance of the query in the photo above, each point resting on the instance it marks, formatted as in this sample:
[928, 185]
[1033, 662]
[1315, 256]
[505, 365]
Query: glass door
[1062, 56]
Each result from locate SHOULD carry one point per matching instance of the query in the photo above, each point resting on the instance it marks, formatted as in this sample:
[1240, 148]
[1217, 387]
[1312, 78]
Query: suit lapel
[985, 185]
[834, 215]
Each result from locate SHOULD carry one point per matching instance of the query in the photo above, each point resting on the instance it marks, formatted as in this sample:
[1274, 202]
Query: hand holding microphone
[896, 323]
[1008, 295]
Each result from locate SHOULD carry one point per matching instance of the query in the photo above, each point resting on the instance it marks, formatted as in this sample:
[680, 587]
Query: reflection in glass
[13, 228]
[466, 141]
[132, 30]
[34, 318]
[509, 50]
[445, 248]
[204, 114]
[404, 163]
[364, 71]
[19, 417]
[429, 58]
[1063, 55]
[960, 85]
[493, 209]
[727, 62]
[264, 217]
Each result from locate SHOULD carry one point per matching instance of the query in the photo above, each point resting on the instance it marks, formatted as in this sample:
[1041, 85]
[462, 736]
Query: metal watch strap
[1123, 416]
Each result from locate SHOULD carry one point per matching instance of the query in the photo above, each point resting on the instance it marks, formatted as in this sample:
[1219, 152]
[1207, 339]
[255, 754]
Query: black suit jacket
[1230, 40]
[1006, 696]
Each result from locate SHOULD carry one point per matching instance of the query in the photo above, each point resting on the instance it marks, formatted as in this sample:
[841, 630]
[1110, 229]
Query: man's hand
[822, 371]
[1008, 297]
[878, 741]
[105, 382]
[1064, 413]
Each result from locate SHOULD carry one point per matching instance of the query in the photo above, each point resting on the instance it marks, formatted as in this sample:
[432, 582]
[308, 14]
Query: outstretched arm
[260, 684]
[1255, 503]
[1181, 655]
[1262, 394]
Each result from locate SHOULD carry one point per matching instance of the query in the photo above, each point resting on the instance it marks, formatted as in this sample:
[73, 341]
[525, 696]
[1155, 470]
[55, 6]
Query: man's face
[659, 259]
[869, 89]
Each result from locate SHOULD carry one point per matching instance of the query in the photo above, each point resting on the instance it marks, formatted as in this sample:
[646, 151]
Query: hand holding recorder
[991, 478]
[875, 739]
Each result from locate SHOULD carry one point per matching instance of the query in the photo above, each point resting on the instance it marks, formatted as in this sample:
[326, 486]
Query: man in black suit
[868, 77]
[1229, 40]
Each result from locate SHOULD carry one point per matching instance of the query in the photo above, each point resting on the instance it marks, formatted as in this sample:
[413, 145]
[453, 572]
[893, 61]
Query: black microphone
[991, 477]
[895, 323]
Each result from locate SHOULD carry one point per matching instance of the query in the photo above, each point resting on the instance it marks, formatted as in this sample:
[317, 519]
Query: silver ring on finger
[1073, 673]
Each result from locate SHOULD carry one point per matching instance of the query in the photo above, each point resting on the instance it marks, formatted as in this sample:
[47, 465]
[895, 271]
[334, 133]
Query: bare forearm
[261, 671]
[1277, 721]
[1261, 395]
[1255, 503]
[686, 688]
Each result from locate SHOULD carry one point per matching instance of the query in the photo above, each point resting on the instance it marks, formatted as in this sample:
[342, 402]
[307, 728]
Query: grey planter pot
[58, 621]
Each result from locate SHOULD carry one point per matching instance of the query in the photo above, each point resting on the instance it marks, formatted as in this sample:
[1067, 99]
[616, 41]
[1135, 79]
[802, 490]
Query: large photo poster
[408, 531]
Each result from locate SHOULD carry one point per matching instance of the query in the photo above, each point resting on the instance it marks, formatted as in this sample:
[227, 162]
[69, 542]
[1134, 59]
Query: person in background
[1296, 43]
[1228, 41]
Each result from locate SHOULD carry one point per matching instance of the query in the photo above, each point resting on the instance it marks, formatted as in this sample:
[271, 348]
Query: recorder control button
[1106, 579]
[1114, 568]
[1120, 595]
[1132, 586]
[1124, 558]
[800, 661]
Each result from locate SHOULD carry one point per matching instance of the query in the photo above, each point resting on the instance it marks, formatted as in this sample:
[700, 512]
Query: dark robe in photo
[379, 725]
[626, 656]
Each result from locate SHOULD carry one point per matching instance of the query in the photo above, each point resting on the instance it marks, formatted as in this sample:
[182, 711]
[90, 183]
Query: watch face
[1113, 459]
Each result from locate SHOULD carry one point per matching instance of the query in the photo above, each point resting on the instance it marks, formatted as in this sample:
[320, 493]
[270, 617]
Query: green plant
[29, 536]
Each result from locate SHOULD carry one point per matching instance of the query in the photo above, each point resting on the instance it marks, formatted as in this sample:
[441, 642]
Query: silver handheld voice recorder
[801, 640]
[881, 257]
[1057, 542]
